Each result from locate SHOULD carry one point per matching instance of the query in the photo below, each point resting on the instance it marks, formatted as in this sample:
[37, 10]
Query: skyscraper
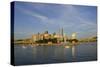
[62, 32]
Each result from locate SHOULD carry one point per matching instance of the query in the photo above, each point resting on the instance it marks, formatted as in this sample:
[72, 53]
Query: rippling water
[25, 55]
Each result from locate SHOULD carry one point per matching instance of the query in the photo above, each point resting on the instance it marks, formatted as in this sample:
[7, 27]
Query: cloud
[74, 18]
[69, 15]
[70, 18]
[32, 13]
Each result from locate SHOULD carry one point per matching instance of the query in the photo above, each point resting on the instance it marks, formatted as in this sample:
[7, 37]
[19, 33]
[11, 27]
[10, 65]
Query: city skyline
[39, 17]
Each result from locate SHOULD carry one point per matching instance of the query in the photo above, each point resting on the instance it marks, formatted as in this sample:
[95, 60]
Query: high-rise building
[62, 32]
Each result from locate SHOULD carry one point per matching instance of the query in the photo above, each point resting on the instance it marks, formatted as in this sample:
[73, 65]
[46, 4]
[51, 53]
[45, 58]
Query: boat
[24, 47]
[67, 46]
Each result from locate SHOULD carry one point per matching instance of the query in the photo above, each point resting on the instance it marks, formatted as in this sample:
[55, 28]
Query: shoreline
[53, 44]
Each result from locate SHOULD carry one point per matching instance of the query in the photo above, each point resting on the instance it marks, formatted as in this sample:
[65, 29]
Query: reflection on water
[73, 52]
[54, 54]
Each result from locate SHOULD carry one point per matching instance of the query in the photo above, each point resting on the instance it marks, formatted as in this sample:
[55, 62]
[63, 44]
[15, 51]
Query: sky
[31, 18]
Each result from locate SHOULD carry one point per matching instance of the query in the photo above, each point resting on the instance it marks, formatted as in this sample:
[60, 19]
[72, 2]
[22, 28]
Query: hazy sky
[31, 18]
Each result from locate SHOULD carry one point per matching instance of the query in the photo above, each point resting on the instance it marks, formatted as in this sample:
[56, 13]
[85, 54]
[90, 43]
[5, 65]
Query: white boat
[24, 47]
[67, 46]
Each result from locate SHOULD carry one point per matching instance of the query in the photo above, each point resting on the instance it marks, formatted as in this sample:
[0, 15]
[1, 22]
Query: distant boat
[33, 45]
[24, 47]
[67, 46]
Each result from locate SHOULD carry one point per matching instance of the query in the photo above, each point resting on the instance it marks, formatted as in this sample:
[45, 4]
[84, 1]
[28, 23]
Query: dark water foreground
[25, 55]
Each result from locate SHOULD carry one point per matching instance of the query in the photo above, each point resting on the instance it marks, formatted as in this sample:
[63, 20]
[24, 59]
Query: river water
[27, 55]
